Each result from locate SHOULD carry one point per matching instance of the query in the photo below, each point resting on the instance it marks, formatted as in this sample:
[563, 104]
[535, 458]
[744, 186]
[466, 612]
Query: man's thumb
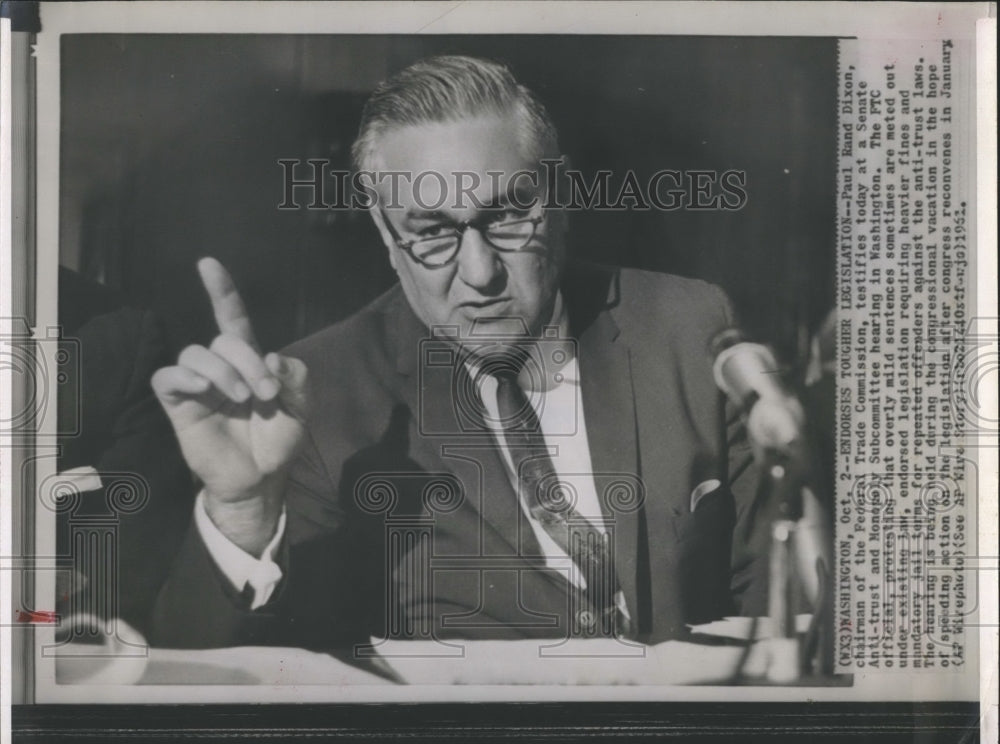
[293, 375]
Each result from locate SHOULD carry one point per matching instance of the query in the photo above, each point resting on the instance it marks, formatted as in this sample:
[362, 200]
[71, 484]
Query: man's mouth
[492, 302]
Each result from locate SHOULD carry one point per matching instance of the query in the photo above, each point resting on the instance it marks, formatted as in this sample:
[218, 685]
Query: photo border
[551, 721]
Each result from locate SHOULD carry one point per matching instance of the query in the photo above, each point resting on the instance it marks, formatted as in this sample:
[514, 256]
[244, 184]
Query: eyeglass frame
[477, 223]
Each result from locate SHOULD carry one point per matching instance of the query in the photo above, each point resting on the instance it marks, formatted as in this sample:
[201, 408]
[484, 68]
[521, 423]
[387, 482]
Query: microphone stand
[783, 646]
[793, 554]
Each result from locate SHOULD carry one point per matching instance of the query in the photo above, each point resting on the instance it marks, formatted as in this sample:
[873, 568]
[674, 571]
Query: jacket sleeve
[314, 605]
[199, 608]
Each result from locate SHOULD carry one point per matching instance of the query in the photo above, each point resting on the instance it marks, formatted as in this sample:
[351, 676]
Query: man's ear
[386, 236]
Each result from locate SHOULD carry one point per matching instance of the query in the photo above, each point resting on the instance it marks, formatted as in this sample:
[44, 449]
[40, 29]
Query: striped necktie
[594, 612]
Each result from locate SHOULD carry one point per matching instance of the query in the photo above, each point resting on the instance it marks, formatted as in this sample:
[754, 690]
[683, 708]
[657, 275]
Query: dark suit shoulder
[679, 307]
[354, 386]
[365, 340]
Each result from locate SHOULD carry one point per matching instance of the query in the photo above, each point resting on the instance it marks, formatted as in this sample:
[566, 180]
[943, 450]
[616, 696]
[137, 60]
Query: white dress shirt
[242, 569]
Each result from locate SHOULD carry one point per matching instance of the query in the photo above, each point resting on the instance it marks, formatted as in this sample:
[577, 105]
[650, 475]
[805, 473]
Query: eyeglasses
[507, 232]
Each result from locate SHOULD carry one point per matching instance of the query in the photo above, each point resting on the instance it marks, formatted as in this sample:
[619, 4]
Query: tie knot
[505, 363]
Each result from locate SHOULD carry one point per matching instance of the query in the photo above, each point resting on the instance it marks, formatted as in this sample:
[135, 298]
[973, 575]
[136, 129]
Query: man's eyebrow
[518, 194]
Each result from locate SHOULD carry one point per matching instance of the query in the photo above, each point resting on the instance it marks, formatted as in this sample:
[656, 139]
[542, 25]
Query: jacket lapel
[609, 409]
[448, 432]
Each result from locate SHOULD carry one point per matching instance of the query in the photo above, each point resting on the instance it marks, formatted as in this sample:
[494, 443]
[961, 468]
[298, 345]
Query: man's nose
[479, 266]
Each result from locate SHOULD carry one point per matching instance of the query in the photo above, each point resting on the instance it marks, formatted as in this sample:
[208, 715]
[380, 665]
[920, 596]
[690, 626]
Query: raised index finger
[230, 312]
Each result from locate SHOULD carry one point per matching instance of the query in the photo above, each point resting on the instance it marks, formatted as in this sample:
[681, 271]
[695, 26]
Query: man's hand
[238, 416]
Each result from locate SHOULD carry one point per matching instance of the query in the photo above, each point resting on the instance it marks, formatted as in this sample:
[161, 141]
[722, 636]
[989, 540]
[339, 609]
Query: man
[504, 445]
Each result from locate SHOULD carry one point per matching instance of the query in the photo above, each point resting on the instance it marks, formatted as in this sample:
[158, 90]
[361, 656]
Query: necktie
[594, 612]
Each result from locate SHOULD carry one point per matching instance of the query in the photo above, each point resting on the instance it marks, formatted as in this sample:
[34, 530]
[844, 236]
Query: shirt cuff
[262, 574]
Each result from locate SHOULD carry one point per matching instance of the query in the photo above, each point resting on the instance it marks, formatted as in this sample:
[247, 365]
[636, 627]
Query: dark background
[170, 146]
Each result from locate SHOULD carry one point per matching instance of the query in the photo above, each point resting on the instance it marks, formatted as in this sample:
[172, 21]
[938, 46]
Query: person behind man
[506, 444]
[124, 458]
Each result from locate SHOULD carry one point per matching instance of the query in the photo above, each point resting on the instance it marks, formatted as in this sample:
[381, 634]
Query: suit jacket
[402, 520]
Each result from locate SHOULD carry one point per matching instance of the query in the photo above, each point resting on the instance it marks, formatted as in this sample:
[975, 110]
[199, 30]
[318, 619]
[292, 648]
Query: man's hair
[451, 88]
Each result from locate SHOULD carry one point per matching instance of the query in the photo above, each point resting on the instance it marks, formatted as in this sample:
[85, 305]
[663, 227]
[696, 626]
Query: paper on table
[593, 662]
[739, 628]
[598, 663]
[253, 665]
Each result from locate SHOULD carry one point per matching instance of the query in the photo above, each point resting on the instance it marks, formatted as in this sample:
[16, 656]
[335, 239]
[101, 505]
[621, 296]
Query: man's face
[482, 285]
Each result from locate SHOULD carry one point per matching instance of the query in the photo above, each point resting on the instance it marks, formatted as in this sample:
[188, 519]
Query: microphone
[745, 371]
[748, 374]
